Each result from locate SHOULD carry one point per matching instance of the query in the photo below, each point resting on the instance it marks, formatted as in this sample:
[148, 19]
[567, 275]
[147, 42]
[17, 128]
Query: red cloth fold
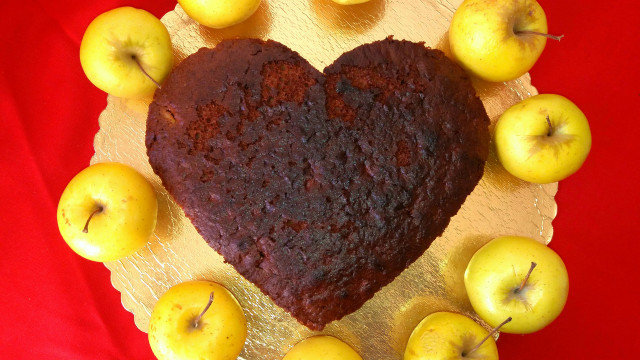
[56, 305]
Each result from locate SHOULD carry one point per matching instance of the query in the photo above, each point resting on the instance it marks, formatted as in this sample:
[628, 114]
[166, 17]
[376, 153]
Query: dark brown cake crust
[318, 189]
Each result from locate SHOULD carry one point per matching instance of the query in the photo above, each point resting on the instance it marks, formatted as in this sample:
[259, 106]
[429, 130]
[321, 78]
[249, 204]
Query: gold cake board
[320, 31]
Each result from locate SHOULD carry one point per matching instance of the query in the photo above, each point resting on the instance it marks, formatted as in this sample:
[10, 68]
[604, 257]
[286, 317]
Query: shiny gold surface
[320, 31]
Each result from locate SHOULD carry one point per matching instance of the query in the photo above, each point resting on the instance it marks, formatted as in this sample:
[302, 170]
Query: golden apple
[322, 347]
[518, 277]
[197, 320]
[107, 211]
[450, 336]
[543, 139]
[219, 13]
[126, 52]
[498, 40]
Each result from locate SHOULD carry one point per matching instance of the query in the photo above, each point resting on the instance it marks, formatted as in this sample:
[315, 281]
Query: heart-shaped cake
[318, 188]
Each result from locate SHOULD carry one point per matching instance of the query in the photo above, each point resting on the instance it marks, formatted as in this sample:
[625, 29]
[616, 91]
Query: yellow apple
[350, 2]
[322, 347]
[498, 40]
[219, 13]
[126, 52]
[107, 211]
[543, 139]
[450, 336]
[518, 277]
[197, 320]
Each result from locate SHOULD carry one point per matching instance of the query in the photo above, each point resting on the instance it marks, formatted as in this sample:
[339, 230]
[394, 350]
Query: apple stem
[196, 322]
[526, 278]
[135, 58]
[86, 225]
[550, 132]
[529, 32]
[491, 333]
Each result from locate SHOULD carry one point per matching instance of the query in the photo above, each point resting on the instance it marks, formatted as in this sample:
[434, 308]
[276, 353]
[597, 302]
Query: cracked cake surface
[318, 187]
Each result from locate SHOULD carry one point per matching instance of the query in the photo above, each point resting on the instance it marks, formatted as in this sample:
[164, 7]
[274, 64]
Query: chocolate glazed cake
[318, 188]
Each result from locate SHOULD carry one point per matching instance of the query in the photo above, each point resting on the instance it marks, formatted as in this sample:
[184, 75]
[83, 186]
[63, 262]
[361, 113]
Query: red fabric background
[56, 305]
